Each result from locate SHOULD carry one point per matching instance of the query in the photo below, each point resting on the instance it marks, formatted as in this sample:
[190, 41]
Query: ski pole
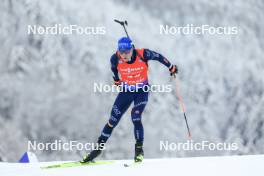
[182, 105]
[123, 23]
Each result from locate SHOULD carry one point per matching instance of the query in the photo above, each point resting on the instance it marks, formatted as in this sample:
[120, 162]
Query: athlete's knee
[110, 125]
[113, 121]
[136, 118]
[136, 113]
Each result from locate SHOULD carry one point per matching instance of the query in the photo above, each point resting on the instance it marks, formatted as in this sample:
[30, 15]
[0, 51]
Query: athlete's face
[127, 55]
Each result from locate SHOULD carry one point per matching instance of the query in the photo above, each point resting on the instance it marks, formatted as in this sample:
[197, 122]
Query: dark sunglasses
[124, 51]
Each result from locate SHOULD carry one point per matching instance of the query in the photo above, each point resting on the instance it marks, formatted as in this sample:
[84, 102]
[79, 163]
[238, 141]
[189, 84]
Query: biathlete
[130, 70]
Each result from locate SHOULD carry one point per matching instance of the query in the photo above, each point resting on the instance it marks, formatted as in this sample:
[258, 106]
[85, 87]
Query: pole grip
[123, 23]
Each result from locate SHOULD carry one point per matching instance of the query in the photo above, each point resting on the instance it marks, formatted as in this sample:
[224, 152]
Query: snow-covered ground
[204, 166]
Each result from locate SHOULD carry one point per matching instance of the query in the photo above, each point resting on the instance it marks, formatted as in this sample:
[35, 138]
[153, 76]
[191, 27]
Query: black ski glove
[173, 70]
[117, 82]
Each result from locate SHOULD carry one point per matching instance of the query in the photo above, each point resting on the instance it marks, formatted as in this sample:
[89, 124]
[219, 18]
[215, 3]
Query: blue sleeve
[152, 55]
[114, 62]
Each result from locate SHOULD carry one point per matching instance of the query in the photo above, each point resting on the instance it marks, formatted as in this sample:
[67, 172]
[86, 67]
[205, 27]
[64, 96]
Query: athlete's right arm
[114, 62]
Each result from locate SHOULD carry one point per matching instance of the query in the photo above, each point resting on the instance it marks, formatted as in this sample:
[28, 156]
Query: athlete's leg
[121, 104]
[140, 101]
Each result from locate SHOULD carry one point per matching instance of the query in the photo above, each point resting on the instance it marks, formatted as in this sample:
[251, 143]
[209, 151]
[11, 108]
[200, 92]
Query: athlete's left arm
[152, 55]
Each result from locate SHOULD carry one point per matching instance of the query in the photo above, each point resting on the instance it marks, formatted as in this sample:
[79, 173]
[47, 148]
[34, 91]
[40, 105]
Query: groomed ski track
[250, 165]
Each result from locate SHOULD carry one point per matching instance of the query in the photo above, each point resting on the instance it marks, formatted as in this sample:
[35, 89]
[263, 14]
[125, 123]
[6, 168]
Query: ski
[77, 163]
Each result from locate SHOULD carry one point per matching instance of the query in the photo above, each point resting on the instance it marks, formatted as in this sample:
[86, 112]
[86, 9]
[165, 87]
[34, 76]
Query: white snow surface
[205, 166]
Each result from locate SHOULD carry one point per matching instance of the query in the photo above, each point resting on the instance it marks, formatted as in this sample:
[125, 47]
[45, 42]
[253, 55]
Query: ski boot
[94, 153]
[139, 153]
